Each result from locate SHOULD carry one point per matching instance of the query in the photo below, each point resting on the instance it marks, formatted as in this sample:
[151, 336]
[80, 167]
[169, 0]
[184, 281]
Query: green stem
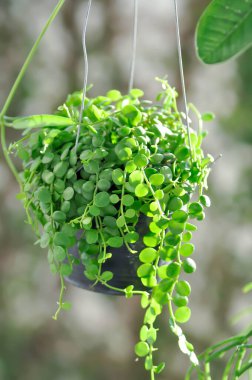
[60, 303]
[16, 85]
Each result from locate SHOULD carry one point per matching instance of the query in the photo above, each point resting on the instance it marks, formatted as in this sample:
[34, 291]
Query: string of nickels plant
[182, 78]
[85, 72]
[134, 46]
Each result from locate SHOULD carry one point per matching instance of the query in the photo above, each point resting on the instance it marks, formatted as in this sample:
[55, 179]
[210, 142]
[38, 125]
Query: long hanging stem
[16, 85]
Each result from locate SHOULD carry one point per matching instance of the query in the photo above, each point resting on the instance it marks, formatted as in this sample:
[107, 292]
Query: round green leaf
[118, 176]
[182, 314]
[132, 114]
[59, 253]
[59, 216]
[183, 288]
[148, 255]
[195, 209]
[189, 265]
[151, 240]
[175, 227]
[127, 200]
[186, 249]
[175, 204]
[48, 177]
[141, 190]
[92, 167]
[180, 216]
[140, 160]
[66, 269]
[145, 270]
[103, 185]
[60, 169]
[173, 270]
[205, 200]
[91, 236]
[157, 179]
[114, 198]
[179, 300]
[142, 349]
[68, 193]
[44, 195]
[102, 199]
[115, 242]
[107, 276]
[94, 210]
[136, 177]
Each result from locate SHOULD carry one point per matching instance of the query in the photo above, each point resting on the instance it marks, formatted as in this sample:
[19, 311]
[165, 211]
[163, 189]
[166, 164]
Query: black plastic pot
[123, 264]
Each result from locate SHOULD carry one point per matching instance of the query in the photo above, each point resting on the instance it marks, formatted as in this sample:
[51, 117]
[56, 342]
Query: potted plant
[111, 195]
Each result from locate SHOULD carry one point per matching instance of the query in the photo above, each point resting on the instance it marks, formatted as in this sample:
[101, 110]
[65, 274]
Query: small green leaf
[91, 236]
[114, 95]
[118, 176]
[102, 199]
[68, 193]
[142, 349]
[173, 270]
[115, 242]
[182, 314]
[189, 265]
[59, 253]
[114, 198]
[133, 114]
[175, 204]
[141, 190]
[107, 276]
[145, 270]
[183, 288]
[145, 300]
[44, 195]
[148, 255]
[186, 249]
[136, 177]
[60, 169]
[127, 200]
[59, 216]
[140, 160]
[66, 269]
[180, 216]
[205, 200]
[157, 179]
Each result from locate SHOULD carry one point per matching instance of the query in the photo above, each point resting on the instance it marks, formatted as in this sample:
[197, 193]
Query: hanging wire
[134, 46]
[85, 71]
[182, 78]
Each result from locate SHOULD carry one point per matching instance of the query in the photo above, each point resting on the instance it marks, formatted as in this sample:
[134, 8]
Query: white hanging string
[85, 71]
[134, 46]
[182, 78]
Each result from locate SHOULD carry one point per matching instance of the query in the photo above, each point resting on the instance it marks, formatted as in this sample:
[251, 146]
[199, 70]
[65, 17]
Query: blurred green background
[95, 340]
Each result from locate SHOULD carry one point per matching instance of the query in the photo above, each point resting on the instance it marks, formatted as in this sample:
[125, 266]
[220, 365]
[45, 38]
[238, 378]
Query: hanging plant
[111, 186]
[127, 185]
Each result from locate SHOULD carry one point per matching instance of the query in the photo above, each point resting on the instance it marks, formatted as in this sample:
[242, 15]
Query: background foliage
[98, 329]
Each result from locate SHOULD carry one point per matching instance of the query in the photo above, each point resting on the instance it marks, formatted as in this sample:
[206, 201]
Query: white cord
[85, 71]
[182, 74]
[134, 46]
